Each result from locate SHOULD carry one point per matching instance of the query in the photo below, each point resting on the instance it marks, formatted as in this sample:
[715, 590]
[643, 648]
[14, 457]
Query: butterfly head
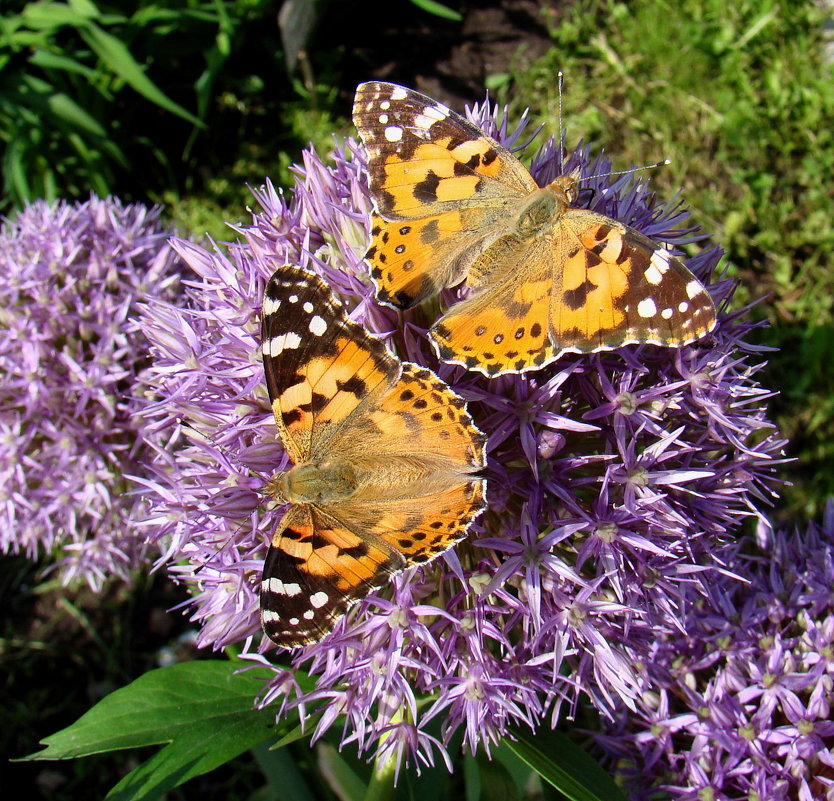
[566, 187]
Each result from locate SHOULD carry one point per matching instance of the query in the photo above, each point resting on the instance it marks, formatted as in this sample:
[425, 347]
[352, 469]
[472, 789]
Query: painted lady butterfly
[386, 461]
[547, 278]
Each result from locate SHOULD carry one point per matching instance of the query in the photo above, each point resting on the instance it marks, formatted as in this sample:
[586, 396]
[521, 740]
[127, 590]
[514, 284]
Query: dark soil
[446, 60]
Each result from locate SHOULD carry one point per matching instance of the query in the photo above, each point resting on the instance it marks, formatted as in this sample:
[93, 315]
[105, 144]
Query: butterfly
[451, 204]
[386, 462]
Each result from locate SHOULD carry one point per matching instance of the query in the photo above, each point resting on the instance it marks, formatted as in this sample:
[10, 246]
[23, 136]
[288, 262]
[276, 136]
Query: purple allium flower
[616, 482]
[71, 355]
[739, 705]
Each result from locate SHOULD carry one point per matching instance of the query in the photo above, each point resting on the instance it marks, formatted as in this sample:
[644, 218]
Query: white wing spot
[385, 105]
[277, 586]
[660, 259]
[439, 110]
[293, 298]
[309, 614]
[393, 133]
[667, 313]
[683, 306]
[693, 288]
[294, 621]
[271, 306]
[383, 118]
[277, 345]
[268, 616]
[319, 599]
[399, 93]
[308, 307]
[653, 275]
[424, 122]
[318, 326]
[646, 308]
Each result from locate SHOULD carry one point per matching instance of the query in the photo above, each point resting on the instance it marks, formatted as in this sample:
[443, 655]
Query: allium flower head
[71, 353]
[615, 482]
[739, 706]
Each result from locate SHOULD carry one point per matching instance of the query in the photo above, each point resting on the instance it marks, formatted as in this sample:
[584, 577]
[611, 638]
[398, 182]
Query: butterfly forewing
[314, 571]
[440, 186]
[424, 158]
[617, 286]
[320, 367]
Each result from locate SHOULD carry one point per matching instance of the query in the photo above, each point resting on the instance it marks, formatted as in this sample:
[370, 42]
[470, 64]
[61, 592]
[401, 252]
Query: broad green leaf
[117, 57]
[438, 9]
[68, 111]
[299, 733]
[562, 763]
[202, 711]
[85, 7]
[43, 97]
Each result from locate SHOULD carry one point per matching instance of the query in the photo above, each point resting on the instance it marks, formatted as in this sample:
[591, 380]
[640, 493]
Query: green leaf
[562, 763]
[53, 61]
[202, 710]
[43, 16]
[117, 57]
[340, 777]
[496, 782]
[438, 9]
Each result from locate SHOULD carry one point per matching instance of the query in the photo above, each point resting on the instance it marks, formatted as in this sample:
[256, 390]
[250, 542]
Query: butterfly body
[386, 466]
[547, 277]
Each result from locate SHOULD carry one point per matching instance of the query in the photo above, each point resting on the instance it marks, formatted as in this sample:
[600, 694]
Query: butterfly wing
[321, 368]
[593, 284]
[315, 569]
[441, 187]
[616, 286]
[502, 328]
[433, 455]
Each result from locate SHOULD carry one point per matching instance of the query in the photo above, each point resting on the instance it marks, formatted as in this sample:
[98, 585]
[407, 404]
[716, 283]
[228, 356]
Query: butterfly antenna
[196, 435]
[628, 171]
[561, 79]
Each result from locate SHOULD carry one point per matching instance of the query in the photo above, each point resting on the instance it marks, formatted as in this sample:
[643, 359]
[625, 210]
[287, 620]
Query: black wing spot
[356, 386]
[577, 298]
[290, 417]
[426, 190]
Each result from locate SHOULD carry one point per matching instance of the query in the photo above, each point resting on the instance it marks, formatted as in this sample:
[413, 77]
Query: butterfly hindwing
[502, 327]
